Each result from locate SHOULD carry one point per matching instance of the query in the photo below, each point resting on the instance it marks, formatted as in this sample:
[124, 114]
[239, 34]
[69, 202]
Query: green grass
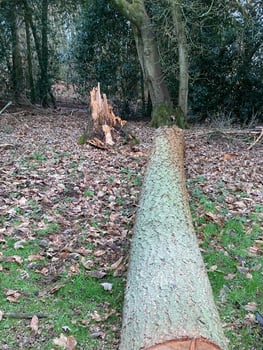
[50, 228]
[131, 176]
[38, 156]
[235, 274]
[69, 309]
[88, 193]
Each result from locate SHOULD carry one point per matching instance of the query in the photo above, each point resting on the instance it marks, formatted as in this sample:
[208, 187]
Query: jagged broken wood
[168, 300]
[104, 123]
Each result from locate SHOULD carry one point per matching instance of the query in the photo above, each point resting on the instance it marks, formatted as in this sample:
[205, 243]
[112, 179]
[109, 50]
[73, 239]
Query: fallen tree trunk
[168, 301]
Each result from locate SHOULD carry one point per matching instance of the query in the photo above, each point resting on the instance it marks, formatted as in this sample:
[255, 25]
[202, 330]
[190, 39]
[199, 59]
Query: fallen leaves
[214, 217]
[251, 306]
[51, 290]
[12, 295]
[229, 156]
[13, 258]
[100, 318]
[66, 343]
[117, 263]
[76, 205]
[257, 248]
[35, 257]
[98, 274]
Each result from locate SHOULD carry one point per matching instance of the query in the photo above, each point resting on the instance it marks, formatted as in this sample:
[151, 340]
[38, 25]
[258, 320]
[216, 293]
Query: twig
[227, 132]
[5, 107]
[22, 315]
[257, 140]
[6, 145]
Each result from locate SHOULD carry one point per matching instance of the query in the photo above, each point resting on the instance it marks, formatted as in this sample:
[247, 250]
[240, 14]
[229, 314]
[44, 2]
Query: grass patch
[50, 228]
[234, 267]
[75, 304]
[88, 193]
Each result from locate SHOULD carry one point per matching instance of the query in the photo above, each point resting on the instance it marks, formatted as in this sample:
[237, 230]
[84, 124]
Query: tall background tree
[12, 49]
[147, 49]
[203, 57]
[29, 47]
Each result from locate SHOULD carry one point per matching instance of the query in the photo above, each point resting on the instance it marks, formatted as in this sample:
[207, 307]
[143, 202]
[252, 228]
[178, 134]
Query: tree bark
[168, 300]
[29, 58]
[28, 12]
[17, 68]
[147, 49]
[182, 54]
[41, 46]
[44, 84]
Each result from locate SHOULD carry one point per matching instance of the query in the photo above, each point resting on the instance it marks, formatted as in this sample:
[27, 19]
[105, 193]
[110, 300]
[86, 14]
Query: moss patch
[164, 114]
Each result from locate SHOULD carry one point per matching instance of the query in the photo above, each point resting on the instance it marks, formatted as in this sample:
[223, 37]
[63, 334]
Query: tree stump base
[105, 124]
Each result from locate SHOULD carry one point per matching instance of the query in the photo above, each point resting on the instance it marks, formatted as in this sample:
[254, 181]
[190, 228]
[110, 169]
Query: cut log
[168, 300]
[104, 121]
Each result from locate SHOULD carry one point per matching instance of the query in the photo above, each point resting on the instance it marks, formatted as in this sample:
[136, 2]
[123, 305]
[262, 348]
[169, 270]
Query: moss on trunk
[164, 114]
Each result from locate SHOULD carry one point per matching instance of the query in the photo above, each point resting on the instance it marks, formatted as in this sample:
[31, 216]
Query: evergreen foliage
[227, 62]
[105, 52]
[87, 41]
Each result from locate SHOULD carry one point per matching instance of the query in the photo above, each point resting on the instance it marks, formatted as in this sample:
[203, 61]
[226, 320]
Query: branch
[129, 10]
[22, 315]
[5, 107]
[209, 10]
[257, 140]
[6, 145]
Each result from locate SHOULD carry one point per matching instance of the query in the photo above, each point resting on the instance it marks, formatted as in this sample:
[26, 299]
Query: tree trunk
[41, 46]
[168, 300]
[28, 12]
[182, 53]
[17, 68]
[44, 84]
[147, 49]
[29, 59]
[150, 63]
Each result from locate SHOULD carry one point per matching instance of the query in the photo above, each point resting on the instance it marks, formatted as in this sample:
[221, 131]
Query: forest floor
[66, 218]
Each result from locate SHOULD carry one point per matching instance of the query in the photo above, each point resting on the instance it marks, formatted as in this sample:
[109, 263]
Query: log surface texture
[168, 301]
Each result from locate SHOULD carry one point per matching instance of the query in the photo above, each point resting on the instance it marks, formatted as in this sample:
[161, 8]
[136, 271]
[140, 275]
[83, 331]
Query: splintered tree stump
[104, 122]
[169, 303]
